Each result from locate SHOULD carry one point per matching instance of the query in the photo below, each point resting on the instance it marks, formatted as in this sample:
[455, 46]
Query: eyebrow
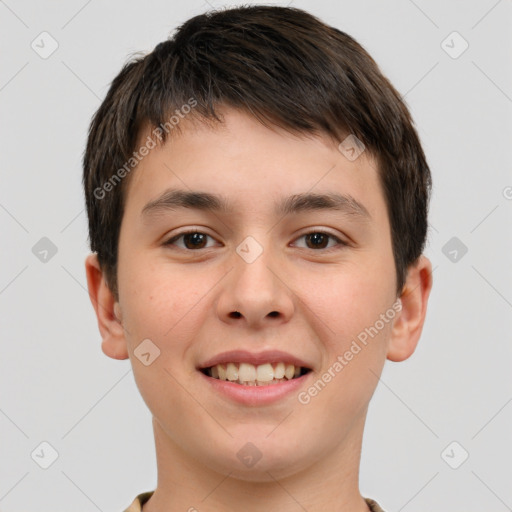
[174, 199]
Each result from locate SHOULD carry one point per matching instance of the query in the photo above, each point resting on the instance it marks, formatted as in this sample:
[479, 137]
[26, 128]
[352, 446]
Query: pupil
[316, 237]
[195, 238]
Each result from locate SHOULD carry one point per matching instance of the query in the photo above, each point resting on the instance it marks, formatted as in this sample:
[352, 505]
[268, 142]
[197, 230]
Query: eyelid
[170, 241]
[323, 231]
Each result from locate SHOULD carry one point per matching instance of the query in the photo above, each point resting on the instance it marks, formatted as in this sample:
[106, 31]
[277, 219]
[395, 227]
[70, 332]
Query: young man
[257, 199]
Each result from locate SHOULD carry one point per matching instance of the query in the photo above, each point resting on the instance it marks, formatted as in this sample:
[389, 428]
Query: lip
[244, 356]
[256, 395]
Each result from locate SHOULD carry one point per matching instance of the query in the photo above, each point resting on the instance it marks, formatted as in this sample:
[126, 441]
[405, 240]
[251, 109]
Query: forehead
[243, 163]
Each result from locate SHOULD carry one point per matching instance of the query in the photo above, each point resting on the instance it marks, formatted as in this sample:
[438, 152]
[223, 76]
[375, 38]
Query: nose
[256, 293]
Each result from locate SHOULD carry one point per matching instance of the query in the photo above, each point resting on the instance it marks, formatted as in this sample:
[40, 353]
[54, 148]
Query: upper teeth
[245, 372]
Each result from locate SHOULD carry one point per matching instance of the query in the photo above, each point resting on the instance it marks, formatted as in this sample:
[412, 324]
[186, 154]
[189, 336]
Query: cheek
[151, 296]
[350, 375]
[158, 305]
[165, 304]
[346, 299]
[362, 321]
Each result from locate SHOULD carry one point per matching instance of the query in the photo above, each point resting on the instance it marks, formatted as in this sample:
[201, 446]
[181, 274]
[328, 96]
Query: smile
[247, 374]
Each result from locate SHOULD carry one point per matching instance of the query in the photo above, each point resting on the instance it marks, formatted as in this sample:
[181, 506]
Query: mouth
[247, 374]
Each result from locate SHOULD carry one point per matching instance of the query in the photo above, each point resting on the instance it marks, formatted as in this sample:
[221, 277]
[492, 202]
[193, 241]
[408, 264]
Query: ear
[408, 325]
[108, 311]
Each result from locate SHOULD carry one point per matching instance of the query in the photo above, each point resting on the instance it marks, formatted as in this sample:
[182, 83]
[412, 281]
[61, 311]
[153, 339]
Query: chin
[258, 461]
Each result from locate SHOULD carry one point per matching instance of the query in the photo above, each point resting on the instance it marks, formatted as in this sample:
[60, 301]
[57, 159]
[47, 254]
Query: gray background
[56, 384]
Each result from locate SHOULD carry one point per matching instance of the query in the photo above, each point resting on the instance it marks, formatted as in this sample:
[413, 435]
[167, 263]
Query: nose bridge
[253, 289]
[253, 264]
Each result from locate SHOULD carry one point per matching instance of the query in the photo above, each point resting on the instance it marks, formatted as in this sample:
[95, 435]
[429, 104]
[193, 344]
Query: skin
[183, 300]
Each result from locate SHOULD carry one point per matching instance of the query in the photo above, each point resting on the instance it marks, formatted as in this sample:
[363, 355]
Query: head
[258, 106]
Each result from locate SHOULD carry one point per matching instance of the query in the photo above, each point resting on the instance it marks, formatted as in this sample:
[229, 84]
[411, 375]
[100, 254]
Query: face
[257, 283]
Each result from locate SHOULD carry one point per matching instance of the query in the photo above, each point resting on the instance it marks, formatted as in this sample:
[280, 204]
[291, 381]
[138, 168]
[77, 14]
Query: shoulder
[374, 506]
[136, 505]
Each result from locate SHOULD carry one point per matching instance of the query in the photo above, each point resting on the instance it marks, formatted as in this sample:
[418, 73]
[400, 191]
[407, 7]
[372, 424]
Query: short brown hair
[286, 68]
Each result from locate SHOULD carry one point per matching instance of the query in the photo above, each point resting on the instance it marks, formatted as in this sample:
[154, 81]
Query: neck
[330, 483]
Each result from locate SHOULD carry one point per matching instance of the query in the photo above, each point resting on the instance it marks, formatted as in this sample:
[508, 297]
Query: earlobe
[408, 326]
[108, 311]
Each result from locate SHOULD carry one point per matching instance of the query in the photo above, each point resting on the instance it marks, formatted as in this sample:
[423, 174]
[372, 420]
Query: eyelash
[326, 233]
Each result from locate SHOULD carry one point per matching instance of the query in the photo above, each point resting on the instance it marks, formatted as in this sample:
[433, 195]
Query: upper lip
[254, 358]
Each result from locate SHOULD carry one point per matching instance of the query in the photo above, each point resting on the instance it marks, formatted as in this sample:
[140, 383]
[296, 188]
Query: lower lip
[256, 395]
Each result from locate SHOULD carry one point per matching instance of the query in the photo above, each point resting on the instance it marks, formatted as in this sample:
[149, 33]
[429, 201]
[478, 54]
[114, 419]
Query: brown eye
[317, 240]
[320, 240]
[191, 240]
